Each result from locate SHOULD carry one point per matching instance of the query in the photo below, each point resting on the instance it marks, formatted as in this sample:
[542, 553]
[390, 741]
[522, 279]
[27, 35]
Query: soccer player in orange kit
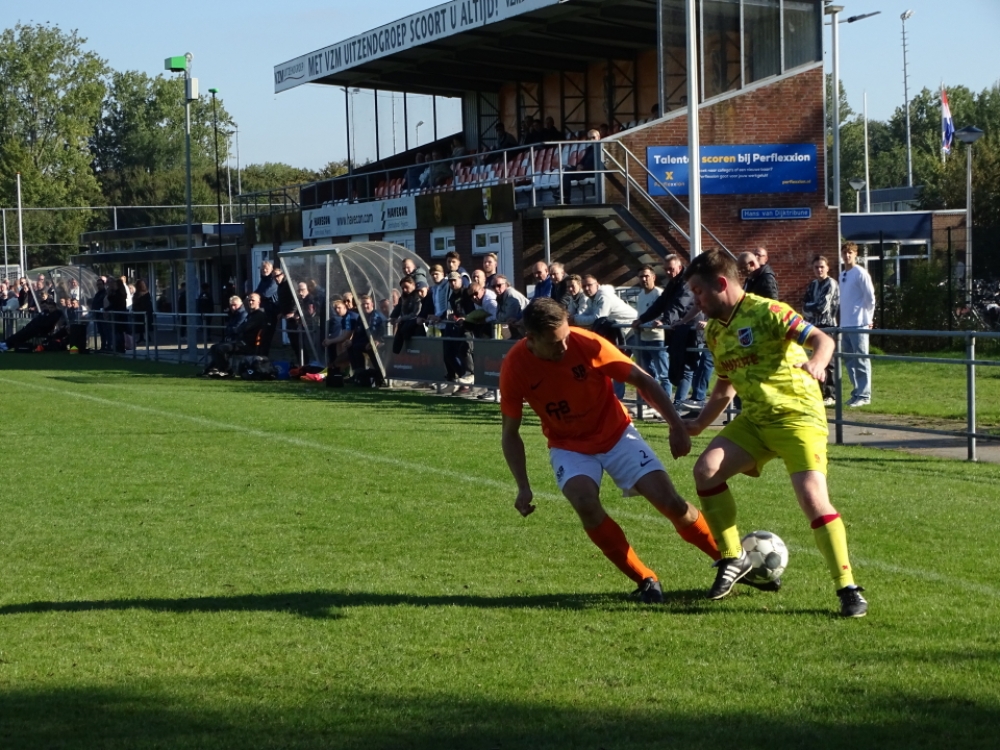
[565, 374]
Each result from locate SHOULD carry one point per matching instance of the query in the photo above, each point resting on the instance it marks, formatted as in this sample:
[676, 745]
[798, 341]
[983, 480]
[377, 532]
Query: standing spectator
[302, 325]
[339, 330]
[410, 268]
[583, 169]
[821, 308]
[405, 324]
[452, 263]
[440, 291]
[857, 312]
[557, 272]
[490, 269]
[510, 306]
[142, 312]
[457, 351]
[760, 278]
[652, 352]
[74, 289]
[486, 300]
[97, 305]
[607, 314]
[117, 307]
[267, 288]
[543, 283]
[576, 302]
[286, 303]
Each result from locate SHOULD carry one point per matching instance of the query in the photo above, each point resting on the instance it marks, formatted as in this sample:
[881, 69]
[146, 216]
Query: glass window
[803, 28]
[761, 39]
[720, 46]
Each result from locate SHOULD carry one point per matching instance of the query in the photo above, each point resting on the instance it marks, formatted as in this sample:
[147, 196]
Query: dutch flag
[947, 125]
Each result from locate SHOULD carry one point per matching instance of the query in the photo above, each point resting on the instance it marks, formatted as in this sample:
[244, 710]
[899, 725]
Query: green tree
[51, 90]
[273, 175]
[139, 152]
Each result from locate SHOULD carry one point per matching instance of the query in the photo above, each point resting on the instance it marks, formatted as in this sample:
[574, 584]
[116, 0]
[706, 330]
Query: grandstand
[617, 66]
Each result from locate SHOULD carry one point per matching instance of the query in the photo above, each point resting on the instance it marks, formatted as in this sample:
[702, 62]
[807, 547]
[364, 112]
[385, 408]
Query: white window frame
[447, 244]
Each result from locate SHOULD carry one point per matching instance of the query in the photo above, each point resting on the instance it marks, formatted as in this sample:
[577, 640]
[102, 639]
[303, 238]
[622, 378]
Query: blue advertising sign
[736, 170]
[775, 214]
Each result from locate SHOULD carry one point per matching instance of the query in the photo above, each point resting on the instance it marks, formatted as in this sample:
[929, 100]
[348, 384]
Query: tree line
[86, 136]
[943, 182]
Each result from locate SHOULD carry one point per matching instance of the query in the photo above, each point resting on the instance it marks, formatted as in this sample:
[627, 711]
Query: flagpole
[944, 153]
[868, 178]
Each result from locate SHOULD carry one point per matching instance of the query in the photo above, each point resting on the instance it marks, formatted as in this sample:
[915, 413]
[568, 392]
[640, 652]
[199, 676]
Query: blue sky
[237, 44]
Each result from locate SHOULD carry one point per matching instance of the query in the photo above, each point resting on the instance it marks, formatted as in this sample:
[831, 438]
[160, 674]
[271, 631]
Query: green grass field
[214, 564]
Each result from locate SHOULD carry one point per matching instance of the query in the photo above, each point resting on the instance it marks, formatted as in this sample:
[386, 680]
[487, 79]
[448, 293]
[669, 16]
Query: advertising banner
[391, 215]
[421, 359]
[488, 356]
[488, 205]
[420, 28]
[736, 170]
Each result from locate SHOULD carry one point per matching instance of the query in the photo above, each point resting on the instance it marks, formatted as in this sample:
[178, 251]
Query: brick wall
[787, 111]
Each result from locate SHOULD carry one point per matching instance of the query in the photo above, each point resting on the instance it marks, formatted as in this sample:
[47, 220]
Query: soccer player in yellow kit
[759, 346]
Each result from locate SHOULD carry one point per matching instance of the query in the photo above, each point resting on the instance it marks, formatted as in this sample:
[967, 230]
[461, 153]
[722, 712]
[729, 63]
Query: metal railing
[969, 362]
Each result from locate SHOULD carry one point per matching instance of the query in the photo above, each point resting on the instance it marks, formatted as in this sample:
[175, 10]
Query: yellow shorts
[801, 446]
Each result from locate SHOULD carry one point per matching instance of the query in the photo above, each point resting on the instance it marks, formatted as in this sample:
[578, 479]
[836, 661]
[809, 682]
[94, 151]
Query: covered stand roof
[467, 45]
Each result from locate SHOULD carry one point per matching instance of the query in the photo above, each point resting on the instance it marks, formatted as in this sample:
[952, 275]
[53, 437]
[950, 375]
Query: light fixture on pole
[218, 176]
[968, 135]
[421, 122]
[182, 64]
[834, 12]
[857, 183]
[906, 94]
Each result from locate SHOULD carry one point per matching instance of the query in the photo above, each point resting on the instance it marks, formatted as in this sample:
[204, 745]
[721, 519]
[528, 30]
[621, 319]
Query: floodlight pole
[906, 96]
[694, 134]
[182, 64]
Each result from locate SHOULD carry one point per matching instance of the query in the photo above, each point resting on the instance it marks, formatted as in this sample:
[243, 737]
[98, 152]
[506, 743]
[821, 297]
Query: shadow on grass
[253, 713]
[328, 604]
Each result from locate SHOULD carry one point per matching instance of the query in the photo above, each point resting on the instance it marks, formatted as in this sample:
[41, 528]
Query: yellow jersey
[756, 350]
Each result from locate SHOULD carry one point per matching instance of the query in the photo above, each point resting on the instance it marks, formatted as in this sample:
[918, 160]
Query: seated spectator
[339, 330]
[247, 339]
[510, 306]
[583, 169]
[458, 147]
[235, 319]
[557, 272]
[504, 139]
[440, 171]
[414, 173]
[367, 337]
[543, 283]
[48, 320]
[550, 132]
[406, 325]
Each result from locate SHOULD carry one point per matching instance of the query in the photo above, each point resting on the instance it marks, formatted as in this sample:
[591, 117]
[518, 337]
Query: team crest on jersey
[746, 336]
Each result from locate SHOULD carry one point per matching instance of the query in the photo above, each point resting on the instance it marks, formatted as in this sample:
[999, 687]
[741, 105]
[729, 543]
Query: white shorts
[629, 461]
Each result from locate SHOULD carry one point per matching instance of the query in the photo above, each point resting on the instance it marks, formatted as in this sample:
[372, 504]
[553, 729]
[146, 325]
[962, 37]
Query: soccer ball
[768, 554]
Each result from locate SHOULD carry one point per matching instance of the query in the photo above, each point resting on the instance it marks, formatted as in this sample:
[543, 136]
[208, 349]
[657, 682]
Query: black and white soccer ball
[768, 554]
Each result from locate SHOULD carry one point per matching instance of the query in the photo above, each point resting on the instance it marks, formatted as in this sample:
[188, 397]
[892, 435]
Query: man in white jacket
[612, 311]
[857, 311]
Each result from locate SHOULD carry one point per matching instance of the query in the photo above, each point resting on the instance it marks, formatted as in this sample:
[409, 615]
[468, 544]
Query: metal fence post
[838, 430]
[970, 354]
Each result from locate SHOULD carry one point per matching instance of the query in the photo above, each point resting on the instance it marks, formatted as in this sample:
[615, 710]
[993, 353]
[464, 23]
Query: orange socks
[610, 539]
[700, 536]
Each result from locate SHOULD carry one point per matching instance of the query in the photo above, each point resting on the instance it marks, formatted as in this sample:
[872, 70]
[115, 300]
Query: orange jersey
[574, 397]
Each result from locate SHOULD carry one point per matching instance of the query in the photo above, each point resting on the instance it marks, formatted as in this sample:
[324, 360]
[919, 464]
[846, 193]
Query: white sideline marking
[481, 481]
